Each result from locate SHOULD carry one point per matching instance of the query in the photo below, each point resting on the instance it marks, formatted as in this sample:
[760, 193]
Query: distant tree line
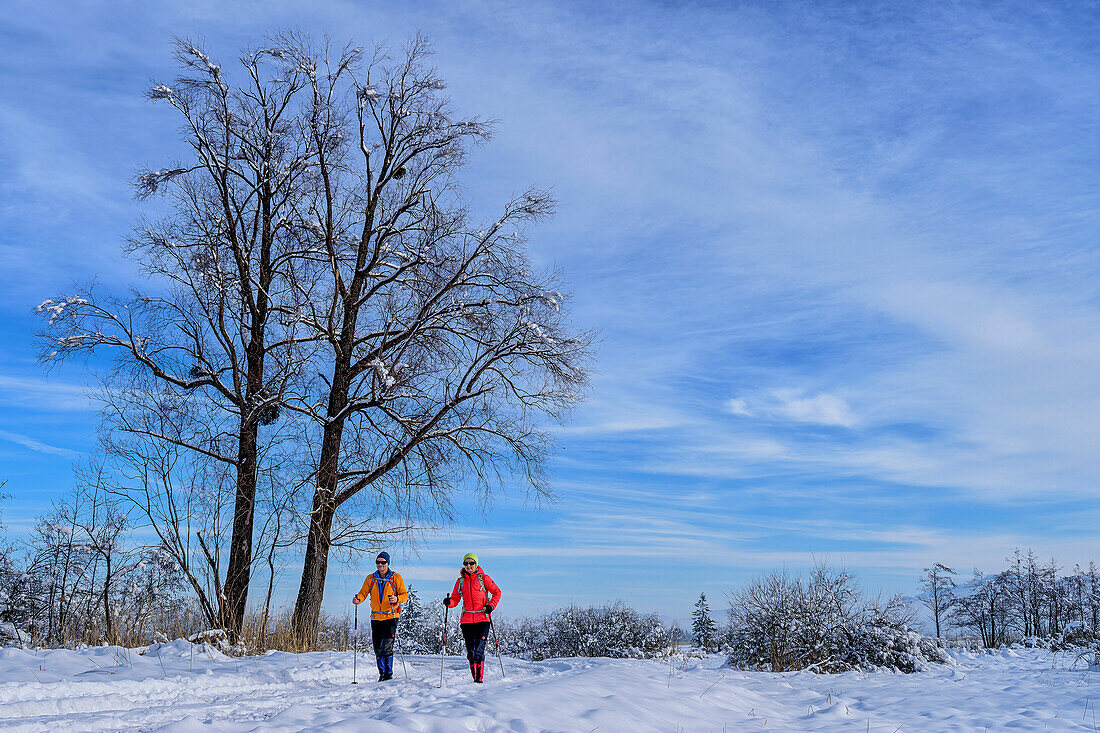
[781, 622]
[1029, 599]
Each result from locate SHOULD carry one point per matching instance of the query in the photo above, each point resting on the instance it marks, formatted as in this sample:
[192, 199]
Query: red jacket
[475, 591]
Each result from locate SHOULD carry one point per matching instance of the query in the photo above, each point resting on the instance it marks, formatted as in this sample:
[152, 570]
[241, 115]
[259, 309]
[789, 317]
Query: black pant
[382, 633]
[476, 634]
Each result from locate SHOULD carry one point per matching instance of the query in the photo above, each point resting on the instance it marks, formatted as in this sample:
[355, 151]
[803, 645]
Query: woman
[387, 593]
[479, 596]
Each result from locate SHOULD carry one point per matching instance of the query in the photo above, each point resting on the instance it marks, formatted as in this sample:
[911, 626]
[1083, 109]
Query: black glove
[447, 599]
[487, 609]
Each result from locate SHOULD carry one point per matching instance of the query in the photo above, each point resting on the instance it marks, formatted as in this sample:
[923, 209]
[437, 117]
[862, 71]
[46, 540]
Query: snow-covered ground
[110, 689]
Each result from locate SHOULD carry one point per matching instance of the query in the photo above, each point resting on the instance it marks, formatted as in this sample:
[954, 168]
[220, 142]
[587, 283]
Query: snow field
[168, 689]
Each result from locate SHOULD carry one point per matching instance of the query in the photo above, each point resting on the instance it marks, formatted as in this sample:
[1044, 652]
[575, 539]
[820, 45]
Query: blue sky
[843, 258]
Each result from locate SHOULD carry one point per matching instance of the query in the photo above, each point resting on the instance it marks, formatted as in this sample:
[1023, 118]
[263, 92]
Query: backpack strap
[380, 584]
[461, 585]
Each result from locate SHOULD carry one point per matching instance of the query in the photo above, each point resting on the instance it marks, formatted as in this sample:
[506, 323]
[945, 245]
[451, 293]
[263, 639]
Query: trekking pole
[354, 645]
[496, 643]
[397, 643]
[443, 645]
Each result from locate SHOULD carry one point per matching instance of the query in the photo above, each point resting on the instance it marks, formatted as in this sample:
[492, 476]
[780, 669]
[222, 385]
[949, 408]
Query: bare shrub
[823, 623]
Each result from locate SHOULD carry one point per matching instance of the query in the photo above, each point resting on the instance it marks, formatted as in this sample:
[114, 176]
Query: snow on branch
[56, 309]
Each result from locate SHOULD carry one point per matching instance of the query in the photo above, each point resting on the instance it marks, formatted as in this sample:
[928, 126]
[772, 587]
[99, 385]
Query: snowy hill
[174, 687]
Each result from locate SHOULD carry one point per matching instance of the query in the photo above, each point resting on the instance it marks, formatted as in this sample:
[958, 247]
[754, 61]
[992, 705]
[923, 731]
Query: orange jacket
[380, 608]
[474, 590]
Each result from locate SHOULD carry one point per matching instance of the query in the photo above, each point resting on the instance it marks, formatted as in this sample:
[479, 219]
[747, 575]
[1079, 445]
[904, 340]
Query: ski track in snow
[107, 689]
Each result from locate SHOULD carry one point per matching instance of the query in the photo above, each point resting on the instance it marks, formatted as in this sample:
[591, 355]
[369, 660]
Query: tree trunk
[240, 546]
[307, 608]
[108, 626]
[267, 600]
[239, 570]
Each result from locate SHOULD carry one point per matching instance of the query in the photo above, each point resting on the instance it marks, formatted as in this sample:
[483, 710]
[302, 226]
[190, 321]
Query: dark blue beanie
[383, 556]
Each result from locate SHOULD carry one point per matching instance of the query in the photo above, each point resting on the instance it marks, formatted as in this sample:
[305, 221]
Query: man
[387, 593]
[479, 595]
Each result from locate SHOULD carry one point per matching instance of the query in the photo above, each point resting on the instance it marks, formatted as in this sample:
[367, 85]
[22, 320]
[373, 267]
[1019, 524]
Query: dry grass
[335, 633]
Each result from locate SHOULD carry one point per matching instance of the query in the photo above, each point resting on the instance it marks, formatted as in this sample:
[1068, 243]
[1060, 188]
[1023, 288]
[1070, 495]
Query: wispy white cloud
[792, 404]
[37, 445]
[42, 394]
[738, 406]
[821, 409]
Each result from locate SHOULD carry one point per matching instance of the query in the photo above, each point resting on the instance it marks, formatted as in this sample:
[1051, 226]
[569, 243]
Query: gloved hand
[355, 600]
[487, 609]
[447, 599]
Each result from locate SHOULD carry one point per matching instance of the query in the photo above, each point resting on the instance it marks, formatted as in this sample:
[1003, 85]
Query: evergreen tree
[704, 632]
[419, 633]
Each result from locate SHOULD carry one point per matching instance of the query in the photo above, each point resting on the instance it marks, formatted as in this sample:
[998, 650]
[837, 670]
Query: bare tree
[103, 527]
[445, 346]
[182, 498]
[60, 561]
[1092, 597]
[984, 605]
[211, 347]
[91, 581]
[937, 592]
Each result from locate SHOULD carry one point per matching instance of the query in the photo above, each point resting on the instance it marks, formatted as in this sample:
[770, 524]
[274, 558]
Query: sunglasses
[380, 562]
[469, 562]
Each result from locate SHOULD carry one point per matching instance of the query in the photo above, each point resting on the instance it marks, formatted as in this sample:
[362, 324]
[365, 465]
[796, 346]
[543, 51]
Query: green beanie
[470, 556]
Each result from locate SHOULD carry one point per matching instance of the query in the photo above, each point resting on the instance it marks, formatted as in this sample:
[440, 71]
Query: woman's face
[469, 565]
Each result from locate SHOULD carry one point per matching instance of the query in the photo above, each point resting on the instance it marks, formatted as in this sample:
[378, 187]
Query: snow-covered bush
[11, 636]
[1074, 636]
[1078, 634]
[822, 623]
[616, 631]
[19, 595]
[885, 639]
[9, 582]
[218, 639]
